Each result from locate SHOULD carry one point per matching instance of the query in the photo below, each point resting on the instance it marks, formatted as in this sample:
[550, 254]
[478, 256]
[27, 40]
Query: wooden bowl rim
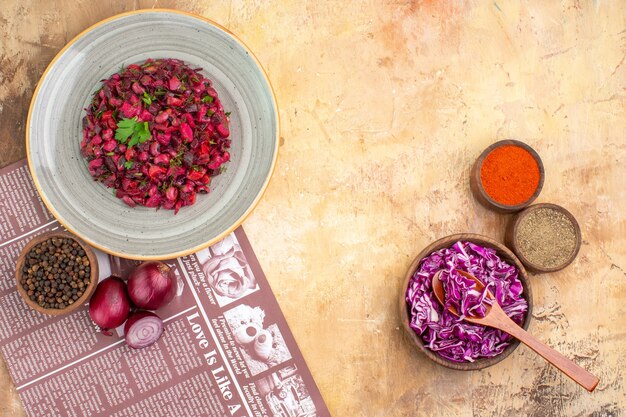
[93, 262]
[515, 247]
[447, 241]
[479, 185]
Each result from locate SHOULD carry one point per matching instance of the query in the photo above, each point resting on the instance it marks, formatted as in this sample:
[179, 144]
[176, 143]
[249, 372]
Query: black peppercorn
[55, 273]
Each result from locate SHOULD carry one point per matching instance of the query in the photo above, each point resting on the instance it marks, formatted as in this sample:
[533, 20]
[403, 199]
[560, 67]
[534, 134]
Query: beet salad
[156, 133]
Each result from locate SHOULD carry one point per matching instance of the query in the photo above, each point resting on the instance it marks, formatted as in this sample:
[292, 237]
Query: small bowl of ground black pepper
[56, 273]
[545, 237]
[507, 176]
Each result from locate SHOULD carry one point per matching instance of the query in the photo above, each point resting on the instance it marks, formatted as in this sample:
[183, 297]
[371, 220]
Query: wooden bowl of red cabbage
[443, 337]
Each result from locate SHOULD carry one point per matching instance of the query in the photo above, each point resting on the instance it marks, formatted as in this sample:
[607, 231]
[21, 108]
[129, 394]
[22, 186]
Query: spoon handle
[579, 374]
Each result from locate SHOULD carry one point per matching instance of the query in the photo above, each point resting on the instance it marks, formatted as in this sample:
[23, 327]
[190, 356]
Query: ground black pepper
[546, 237]
[56, 272]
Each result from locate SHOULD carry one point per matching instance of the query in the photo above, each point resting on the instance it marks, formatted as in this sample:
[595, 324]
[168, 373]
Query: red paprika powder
[509, 175]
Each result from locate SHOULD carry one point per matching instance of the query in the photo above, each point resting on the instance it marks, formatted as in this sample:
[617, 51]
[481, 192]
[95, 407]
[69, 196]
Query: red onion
[152, 285]
[109, 305]
[142, 329]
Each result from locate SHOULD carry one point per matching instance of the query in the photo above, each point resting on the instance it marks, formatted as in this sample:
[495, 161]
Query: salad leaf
[139, 132]
[147, 98]
[125, 128]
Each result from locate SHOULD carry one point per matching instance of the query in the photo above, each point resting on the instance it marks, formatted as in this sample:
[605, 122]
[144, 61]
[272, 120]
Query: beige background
[384, 105]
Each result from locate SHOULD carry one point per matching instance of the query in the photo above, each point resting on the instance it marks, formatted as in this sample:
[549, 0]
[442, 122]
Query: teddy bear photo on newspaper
[261, 344]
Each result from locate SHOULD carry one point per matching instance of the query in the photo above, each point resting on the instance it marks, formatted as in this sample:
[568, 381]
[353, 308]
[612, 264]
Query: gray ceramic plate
[54, 133]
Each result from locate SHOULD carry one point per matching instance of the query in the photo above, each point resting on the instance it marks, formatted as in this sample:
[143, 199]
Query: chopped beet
[156, 133]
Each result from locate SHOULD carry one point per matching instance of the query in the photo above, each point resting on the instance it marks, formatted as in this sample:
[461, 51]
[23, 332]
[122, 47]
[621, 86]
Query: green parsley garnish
[177, 160]
[207, 99]
[228, 114]
[128, 164]
[139, 132]
[147, 98]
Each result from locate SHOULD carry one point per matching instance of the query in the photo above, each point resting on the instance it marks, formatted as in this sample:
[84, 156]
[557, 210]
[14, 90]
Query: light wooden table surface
[384, 106]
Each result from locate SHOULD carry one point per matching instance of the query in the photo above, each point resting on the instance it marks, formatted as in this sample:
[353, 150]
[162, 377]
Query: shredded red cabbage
[443, 332]
[462, 294]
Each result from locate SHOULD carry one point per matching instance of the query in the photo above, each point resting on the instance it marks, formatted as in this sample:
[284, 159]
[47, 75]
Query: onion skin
[152, 285]
[150, 331]
[109, 305]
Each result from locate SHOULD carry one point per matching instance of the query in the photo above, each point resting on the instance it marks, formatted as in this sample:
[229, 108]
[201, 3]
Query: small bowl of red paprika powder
[507, 176]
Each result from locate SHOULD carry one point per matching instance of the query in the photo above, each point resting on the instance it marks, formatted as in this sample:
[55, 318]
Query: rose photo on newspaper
[228, 273]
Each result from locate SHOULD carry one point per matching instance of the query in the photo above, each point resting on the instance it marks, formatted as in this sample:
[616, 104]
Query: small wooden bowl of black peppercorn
[56, 273]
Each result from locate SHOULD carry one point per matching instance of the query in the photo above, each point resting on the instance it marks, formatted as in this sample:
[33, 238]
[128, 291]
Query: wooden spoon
[497, 318]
